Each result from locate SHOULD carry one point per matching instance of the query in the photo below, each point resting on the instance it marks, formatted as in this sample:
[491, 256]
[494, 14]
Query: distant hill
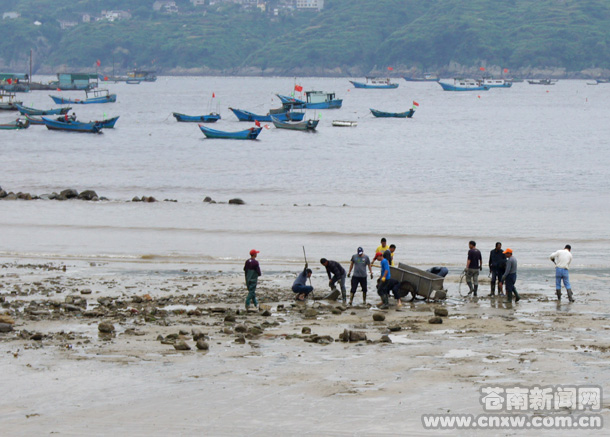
[527, 37]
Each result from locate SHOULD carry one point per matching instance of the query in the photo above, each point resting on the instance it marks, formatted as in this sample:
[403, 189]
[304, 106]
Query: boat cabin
[147, 76]
[319, 97]
[466, 82]
[97, 93]
[7, 100]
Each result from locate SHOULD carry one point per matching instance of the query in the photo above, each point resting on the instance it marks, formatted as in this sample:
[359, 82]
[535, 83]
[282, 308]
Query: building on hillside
[115, 15]
[200, 2]
[168, 7]
[11, 15]
[65, 24]
[310, 4]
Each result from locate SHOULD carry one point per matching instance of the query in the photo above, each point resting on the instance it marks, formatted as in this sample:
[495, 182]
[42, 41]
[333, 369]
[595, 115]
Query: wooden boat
[407, 114]
[541, 82]
[427, 77]
[92, 96]
[133, 81]
[72, 126]
[375, 83]
[345, 123]
[313, 100]
[496, 83]
[108, 123]
[8, 102]
[33, 111]
[283, 116]
[598, 81]
[34, 119]
[210, 118]
[464, 85]
[295, 125]
[248, 134]
[15, 125]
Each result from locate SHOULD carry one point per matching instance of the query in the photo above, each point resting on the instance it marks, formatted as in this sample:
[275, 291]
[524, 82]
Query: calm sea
[527, 166]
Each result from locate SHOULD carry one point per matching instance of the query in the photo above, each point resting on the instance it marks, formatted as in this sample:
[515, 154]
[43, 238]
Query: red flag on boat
[482, 68]
[105, 78]
[258, 123]
[298, 88]
[415, 103]
[506, 70]
[390, 68]
[98, 62]
[213, 95]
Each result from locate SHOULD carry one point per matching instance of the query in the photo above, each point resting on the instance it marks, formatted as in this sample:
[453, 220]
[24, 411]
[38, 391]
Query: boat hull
[33, 111]
[111, 98]
[75, 126]
[108, 123]
[381, 114]
[345, 123]
[210, 118]
[34, 119]
[249, 116]
[248, 134]
[307, 125]
[450, 87]
[370, 86]
[15, 125]
[300, 104]
[421, 79]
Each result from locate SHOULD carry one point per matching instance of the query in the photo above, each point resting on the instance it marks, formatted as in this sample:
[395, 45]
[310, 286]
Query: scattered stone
[266, 313]
[202, 345]
[198, 334]
[36, 336]
[435, 320]
[336, 311]
[86, 291]
[441, 312]
[255, 330]
[352, 336]
[230, 318]
[306, 330]
[88, 195]
[241, 328]
[69, 194]
[136, 199]
[394, 328]
[8, 319]
[207, 199]
[385, 339]
[106, 327]
[240, 339]
[182, 346]
[310, 313]
[6, 327]
[236, 201]
[378, 317]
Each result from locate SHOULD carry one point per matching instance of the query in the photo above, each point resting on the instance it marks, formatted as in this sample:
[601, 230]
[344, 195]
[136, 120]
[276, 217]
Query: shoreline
[65, 374]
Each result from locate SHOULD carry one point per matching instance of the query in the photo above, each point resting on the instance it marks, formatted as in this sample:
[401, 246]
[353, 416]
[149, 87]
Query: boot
[558, 293]
[493, 290]
[385, 305]
[343, 296]
[351, 299]
[570, 296]
[364, 298]
[476, 287]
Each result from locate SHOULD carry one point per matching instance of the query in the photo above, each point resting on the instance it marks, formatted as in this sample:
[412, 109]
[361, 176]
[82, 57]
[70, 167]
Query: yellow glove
[383, 279]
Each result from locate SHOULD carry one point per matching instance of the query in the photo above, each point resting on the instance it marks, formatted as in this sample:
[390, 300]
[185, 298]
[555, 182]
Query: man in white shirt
[562, 260]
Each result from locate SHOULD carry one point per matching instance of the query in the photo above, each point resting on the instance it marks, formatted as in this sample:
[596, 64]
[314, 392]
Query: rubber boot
[570, 296]
[364, 298]
[493, 291]
[476, 287]
[351, 299]
[386, 303]
[558, 293]
[343, 296]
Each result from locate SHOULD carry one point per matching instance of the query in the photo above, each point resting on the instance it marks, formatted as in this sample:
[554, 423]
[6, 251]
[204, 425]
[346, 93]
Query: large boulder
[236, 202]
[88, 195]
[69, 194]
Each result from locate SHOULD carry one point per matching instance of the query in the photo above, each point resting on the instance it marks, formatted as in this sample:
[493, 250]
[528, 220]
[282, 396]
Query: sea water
[527, 166]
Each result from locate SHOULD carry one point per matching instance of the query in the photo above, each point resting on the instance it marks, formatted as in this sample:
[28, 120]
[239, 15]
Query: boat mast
[30, 76]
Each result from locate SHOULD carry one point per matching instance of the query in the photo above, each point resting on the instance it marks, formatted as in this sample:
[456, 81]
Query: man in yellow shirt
[381, 248]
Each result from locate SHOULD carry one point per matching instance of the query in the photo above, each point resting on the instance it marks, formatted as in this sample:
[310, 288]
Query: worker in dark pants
[336, 273]
[510, 277]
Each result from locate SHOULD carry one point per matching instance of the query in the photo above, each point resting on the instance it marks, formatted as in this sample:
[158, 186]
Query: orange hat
[254, 252]
[378, 254]
[509, 250]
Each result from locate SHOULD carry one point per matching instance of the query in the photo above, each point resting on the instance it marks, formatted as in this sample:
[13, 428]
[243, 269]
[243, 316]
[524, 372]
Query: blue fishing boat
[382, 114]
[8, 102]
[210, 118]
[33, 111]
[15, 125]
[92, 96]
[313, 100]
[248, 134]
[34, 119]
[282, 116]
[464, 85]
[427, 77]
[375, 83]
[72, 126]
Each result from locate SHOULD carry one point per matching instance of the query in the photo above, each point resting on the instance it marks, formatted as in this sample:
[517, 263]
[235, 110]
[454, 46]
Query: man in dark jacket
[497, 264]
[253, 271]
[336, 273]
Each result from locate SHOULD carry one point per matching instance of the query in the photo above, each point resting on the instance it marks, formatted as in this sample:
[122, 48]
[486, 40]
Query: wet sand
[263, 373]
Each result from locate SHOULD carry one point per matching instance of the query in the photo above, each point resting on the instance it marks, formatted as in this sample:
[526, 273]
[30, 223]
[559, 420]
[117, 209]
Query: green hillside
[345, 38]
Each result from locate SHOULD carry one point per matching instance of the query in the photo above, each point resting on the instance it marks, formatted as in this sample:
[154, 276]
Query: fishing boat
[464, 85]
[34, 119]
[381, 114]
[541, 82]
[210, 118]
[345, 123]
[142, 75]
[8, 102]
[248, 134]
[282, 116]
[375, 83]
[133, 81]
[107, 123]
[72, 126]
[496, 83]
[25, 110]
[427, 77]
[15, 125]
[313, 100]
[295, 125]
[92, 96]
[598, 81]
